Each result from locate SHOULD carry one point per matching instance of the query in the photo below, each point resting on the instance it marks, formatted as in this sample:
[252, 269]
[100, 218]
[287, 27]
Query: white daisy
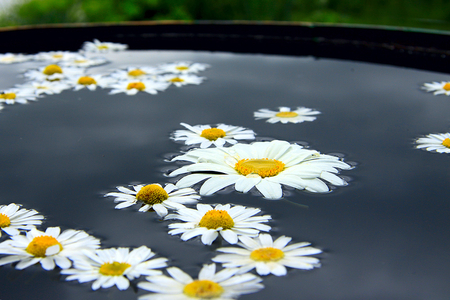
[56, 56]
[91, 82]
[98, 46]
[45, 87]
[206, 135]
[47, 247]
[113, 266]
[10, 58]
[223, 285]
[208, 222]
[13, 219]
[438, 88]
[180, 80]
[285, 115]
[132, 87]
[268, 256]
[264, 165]
[153, 196]
[84, 62]
[183, 67]
[439, 142]
[14, 95]
[135, 73]
[53, 72]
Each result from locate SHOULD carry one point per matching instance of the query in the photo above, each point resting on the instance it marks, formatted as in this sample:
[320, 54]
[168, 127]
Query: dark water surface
[384, 236]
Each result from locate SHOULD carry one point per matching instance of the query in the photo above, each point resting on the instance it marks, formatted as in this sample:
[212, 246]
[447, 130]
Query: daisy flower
[263, 165]
[180, 80]
[56, 56]
[268, 256]
[154, 196]
[10, 58]
[113, 266]
[206, 135]
[14, 95]
[53, 72]
[13, 219]
[132, 87]
[438, 88]
[182, 67]
[135, 73]
[83, 62]
[285, 115]
[45, 87]
[209, 221]
[223, 285]
[98, 46]
[47, 247]
[439, 142]
[91, 82]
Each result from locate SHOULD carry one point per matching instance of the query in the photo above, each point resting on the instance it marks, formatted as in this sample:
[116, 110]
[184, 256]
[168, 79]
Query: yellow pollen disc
[446, 142]
[136, 85]
[215, 218]
[136, 73]
[176, 79]
[8, 96]
[4, 221]
[267, 254]
[52, 69]
[287, 114]
[86, 80]
[446, 86]
[57, 56]
[114, 268]
[181, 68]
[263, 167]
[203, 289]
[101, 47]
[213, 134]
[80, 61]
[152, 194]
[39, 245]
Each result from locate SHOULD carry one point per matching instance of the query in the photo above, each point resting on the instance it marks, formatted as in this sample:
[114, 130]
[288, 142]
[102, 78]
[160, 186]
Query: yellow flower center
[136, 85]
[136, 73]
[52, 69]
[114, 268]
[80, 61]
[446, 86]
[4, 221]
[39, 245]
[287, 114]
[267, 254]
[213, 134]
[7, 59]
[216, 218]
[152, 194]
[8, 96]
[86, 80]
[101, 47]
[263, 167]
[203, 289]
[57, 56]
[176, 79]
[182, 68]
[446, 142]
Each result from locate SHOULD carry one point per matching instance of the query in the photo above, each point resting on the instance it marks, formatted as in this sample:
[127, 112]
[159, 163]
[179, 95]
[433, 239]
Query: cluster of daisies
[63, 70]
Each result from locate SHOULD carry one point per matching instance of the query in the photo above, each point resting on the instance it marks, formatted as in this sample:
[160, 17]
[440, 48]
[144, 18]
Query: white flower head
[13, 219]
[209, 222]
[81, 61]
[53, 72]
[263, 165]
[11, 58]
[48, 248]
[56, 56]
[45, 87]
[183, 67]
[205, 135]
[132, 87]
[91, 82]
[115, 266]
[223, 285]
[181, 80]
[135, 73]
[17, 95]
[97, 46]
[438, 88]
[438, 142]
[285, 115]
[154, 196]
[268, 256]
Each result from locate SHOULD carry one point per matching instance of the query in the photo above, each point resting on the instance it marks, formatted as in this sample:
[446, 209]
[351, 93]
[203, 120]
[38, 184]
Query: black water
[384, 236]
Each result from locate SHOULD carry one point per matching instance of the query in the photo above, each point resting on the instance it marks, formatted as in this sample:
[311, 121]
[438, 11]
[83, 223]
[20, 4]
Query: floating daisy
[438, 88]
[11, 58]
[183, 67]
[91, 82]
[97, 46]
[47, 247]
[223, 285]
[285, 115]
[154, 196]
[13, 219]
[439, 142]
[45, 87]
[206, 135]
[14, 95]
[268, 256]
[84, 62]
[209, 222]
[180, 80]
[135, 73]
[53, 72]
[56, 56]
[263, 165]
[109, 267]
[131, 87]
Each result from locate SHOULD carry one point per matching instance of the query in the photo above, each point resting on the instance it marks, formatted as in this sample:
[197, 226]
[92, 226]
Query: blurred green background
[431, 14]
